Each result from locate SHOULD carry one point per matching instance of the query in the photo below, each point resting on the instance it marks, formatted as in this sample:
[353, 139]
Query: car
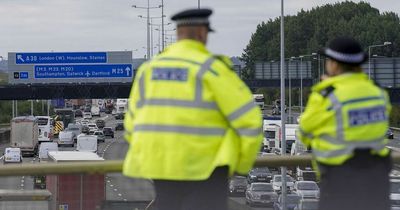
[87, 115]
[307, 204]
[277, 182]
[259, 175]
[292, 202]
[260, 194]
[100, 123]
[237, 185]
[119, 126]
[395, 193]
[389, 134]
[87, 108]
[100, 136]
[84, 122]
[92, 127]
[119, 116]
[306, 189]
[85, 129]
[108, 131]
[12, 155]
[108, 111]
[78, 113]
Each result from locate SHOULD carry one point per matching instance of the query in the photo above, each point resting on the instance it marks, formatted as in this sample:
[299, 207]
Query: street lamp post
[369, 55]
[150, 38]
[161, 33]
[162, 24]
[301, 79]
[148, 23]
[283, 114]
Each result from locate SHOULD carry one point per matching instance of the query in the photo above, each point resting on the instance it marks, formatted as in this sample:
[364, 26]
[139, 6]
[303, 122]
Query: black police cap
[345, 50]
[192, 17]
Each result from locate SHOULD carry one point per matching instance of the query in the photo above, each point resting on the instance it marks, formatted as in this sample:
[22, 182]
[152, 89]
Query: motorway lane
[242, 201]
[26, 182]
[119, 187]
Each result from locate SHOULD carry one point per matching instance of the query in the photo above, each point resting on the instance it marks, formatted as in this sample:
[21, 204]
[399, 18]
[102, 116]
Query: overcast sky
[106, 25]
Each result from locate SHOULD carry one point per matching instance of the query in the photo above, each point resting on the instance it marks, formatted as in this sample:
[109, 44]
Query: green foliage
[395, 116]
[24, 109]
[309, 31]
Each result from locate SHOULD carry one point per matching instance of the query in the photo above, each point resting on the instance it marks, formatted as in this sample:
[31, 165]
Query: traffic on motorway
[85, 127]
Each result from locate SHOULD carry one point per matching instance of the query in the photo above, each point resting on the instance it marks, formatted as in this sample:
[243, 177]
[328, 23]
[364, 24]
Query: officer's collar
[331, 81]
[191, 44]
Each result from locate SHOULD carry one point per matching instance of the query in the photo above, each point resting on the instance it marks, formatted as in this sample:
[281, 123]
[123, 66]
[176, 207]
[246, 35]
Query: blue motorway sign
[59, 58]
[24, 75]
[83, 71]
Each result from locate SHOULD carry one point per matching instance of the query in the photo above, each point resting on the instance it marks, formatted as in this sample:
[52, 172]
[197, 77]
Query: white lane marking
[125, 199]
[115, 190]
[119, 194]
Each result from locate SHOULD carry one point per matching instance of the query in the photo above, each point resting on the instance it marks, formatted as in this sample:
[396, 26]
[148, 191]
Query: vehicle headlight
[269, 176]
[253, 177]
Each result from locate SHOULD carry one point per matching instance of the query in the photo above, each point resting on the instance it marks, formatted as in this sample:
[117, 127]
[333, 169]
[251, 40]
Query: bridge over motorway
[122, 90]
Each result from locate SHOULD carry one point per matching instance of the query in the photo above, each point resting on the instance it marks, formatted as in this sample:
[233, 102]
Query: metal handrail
[115, 166]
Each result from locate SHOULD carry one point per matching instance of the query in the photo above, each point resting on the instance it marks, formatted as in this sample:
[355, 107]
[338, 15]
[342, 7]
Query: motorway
[118, 187]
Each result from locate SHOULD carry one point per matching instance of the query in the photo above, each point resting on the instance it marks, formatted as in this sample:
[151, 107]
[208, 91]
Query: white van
[45, 148]
[95, 110]
[45, 128]
[66, 138]
[86, 143]
[12, 155]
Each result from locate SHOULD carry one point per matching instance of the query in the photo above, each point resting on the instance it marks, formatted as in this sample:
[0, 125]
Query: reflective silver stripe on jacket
[196, 103]
[249, 131]
[241, 111]
[377, 146]
[308, 135]
[203, 131]
[178, 103]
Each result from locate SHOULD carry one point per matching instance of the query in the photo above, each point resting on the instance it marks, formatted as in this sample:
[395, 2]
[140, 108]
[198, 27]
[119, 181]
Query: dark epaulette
[328, 90]
[223, 60]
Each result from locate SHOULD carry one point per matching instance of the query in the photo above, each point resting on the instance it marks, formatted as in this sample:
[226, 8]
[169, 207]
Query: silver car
[260, 194]
[306, 189]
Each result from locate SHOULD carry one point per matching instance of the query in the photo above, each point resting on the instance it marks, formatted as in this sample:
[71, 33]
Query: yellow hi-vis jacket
[345, 113]
[188, 114]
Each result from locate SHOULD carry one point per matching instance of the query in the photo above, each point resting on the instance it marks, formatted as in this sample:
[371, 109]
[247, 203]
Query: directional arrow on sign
[19, 57]
[87, 74]
[128, 70]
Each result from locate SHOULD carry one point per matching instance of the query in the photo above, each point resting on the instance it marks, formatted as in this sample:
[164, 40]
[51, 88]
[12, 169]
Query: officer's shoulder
[224, 60]
[326, 91]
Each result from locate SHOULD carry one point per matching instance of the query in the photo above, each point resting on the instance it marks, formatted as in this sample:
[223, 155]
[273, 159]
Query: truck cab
[259, 100]
[272, 133]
